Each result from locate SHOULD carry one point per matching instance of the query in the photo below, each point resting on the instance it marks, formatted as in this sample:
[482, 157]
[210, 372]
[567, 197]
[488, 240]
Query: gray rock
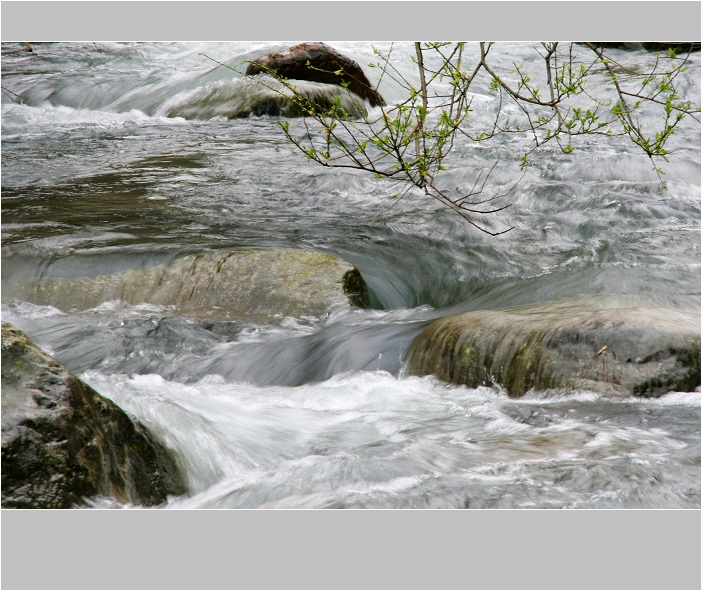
[63, 443]
[257, 285]
[611, 349]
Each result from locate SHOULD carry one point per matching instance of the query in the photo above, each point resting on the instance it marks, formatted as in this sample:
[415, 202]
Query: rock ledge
[620, 351]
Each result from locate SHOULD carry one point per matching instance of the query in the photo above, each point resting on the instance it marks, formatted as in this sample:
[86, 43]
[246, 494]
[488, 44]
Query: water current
[319, 413]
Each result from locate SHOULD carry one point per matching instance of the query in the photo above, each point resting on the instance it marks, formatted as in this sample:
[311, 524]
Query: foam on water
[25, 311]
[367, 439]
[46, 119]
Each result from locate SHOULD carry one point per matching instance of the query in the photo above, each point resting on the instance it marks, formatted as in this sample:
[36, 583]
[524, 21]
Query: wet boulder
[257, 285]
[266, 96]
[317, 62]
[63, 443]
[617, 350]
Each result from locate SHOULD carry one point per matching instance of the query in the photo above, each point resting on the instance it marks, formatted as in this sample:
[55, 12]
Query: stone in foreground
[63, 443]
[620, 351]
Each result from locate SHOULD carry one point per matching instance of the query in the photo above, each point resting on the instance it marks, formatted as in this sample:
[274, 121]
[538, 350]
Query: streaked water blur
[317, 413]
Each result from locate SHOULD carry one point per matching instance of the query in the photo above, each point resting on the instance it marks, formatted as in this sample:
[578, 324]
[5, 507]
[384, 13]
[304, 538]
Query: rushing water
[97, 178]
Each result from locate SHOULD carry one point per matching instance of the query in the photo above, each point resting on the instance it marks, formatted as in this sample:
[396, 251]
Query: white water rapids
[319, 413]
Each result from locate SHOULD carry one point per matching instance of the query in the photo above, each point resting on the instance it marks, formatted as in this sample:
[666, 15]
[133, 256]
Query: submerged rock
[243, 98]
[63, 443]
[614, 350]
[258, 285]
[317, 62]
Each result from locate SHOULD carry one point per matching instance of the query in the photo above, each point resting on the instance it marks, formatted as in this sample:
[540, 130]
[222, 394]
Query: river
[96, 178]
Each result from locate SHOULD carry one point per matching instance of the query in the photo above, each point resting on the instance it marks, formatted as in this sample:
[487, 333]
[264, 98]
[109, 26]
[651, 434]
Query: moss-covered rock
[259, 285]
[614, 349]
[63, 443]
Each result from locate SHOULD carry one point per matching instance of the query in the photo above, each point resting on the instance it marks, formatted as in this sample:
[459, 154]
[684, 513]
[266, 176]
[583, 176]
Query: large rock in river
[258, 285]
[63, 443]
[317, 62]
[618, 350]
